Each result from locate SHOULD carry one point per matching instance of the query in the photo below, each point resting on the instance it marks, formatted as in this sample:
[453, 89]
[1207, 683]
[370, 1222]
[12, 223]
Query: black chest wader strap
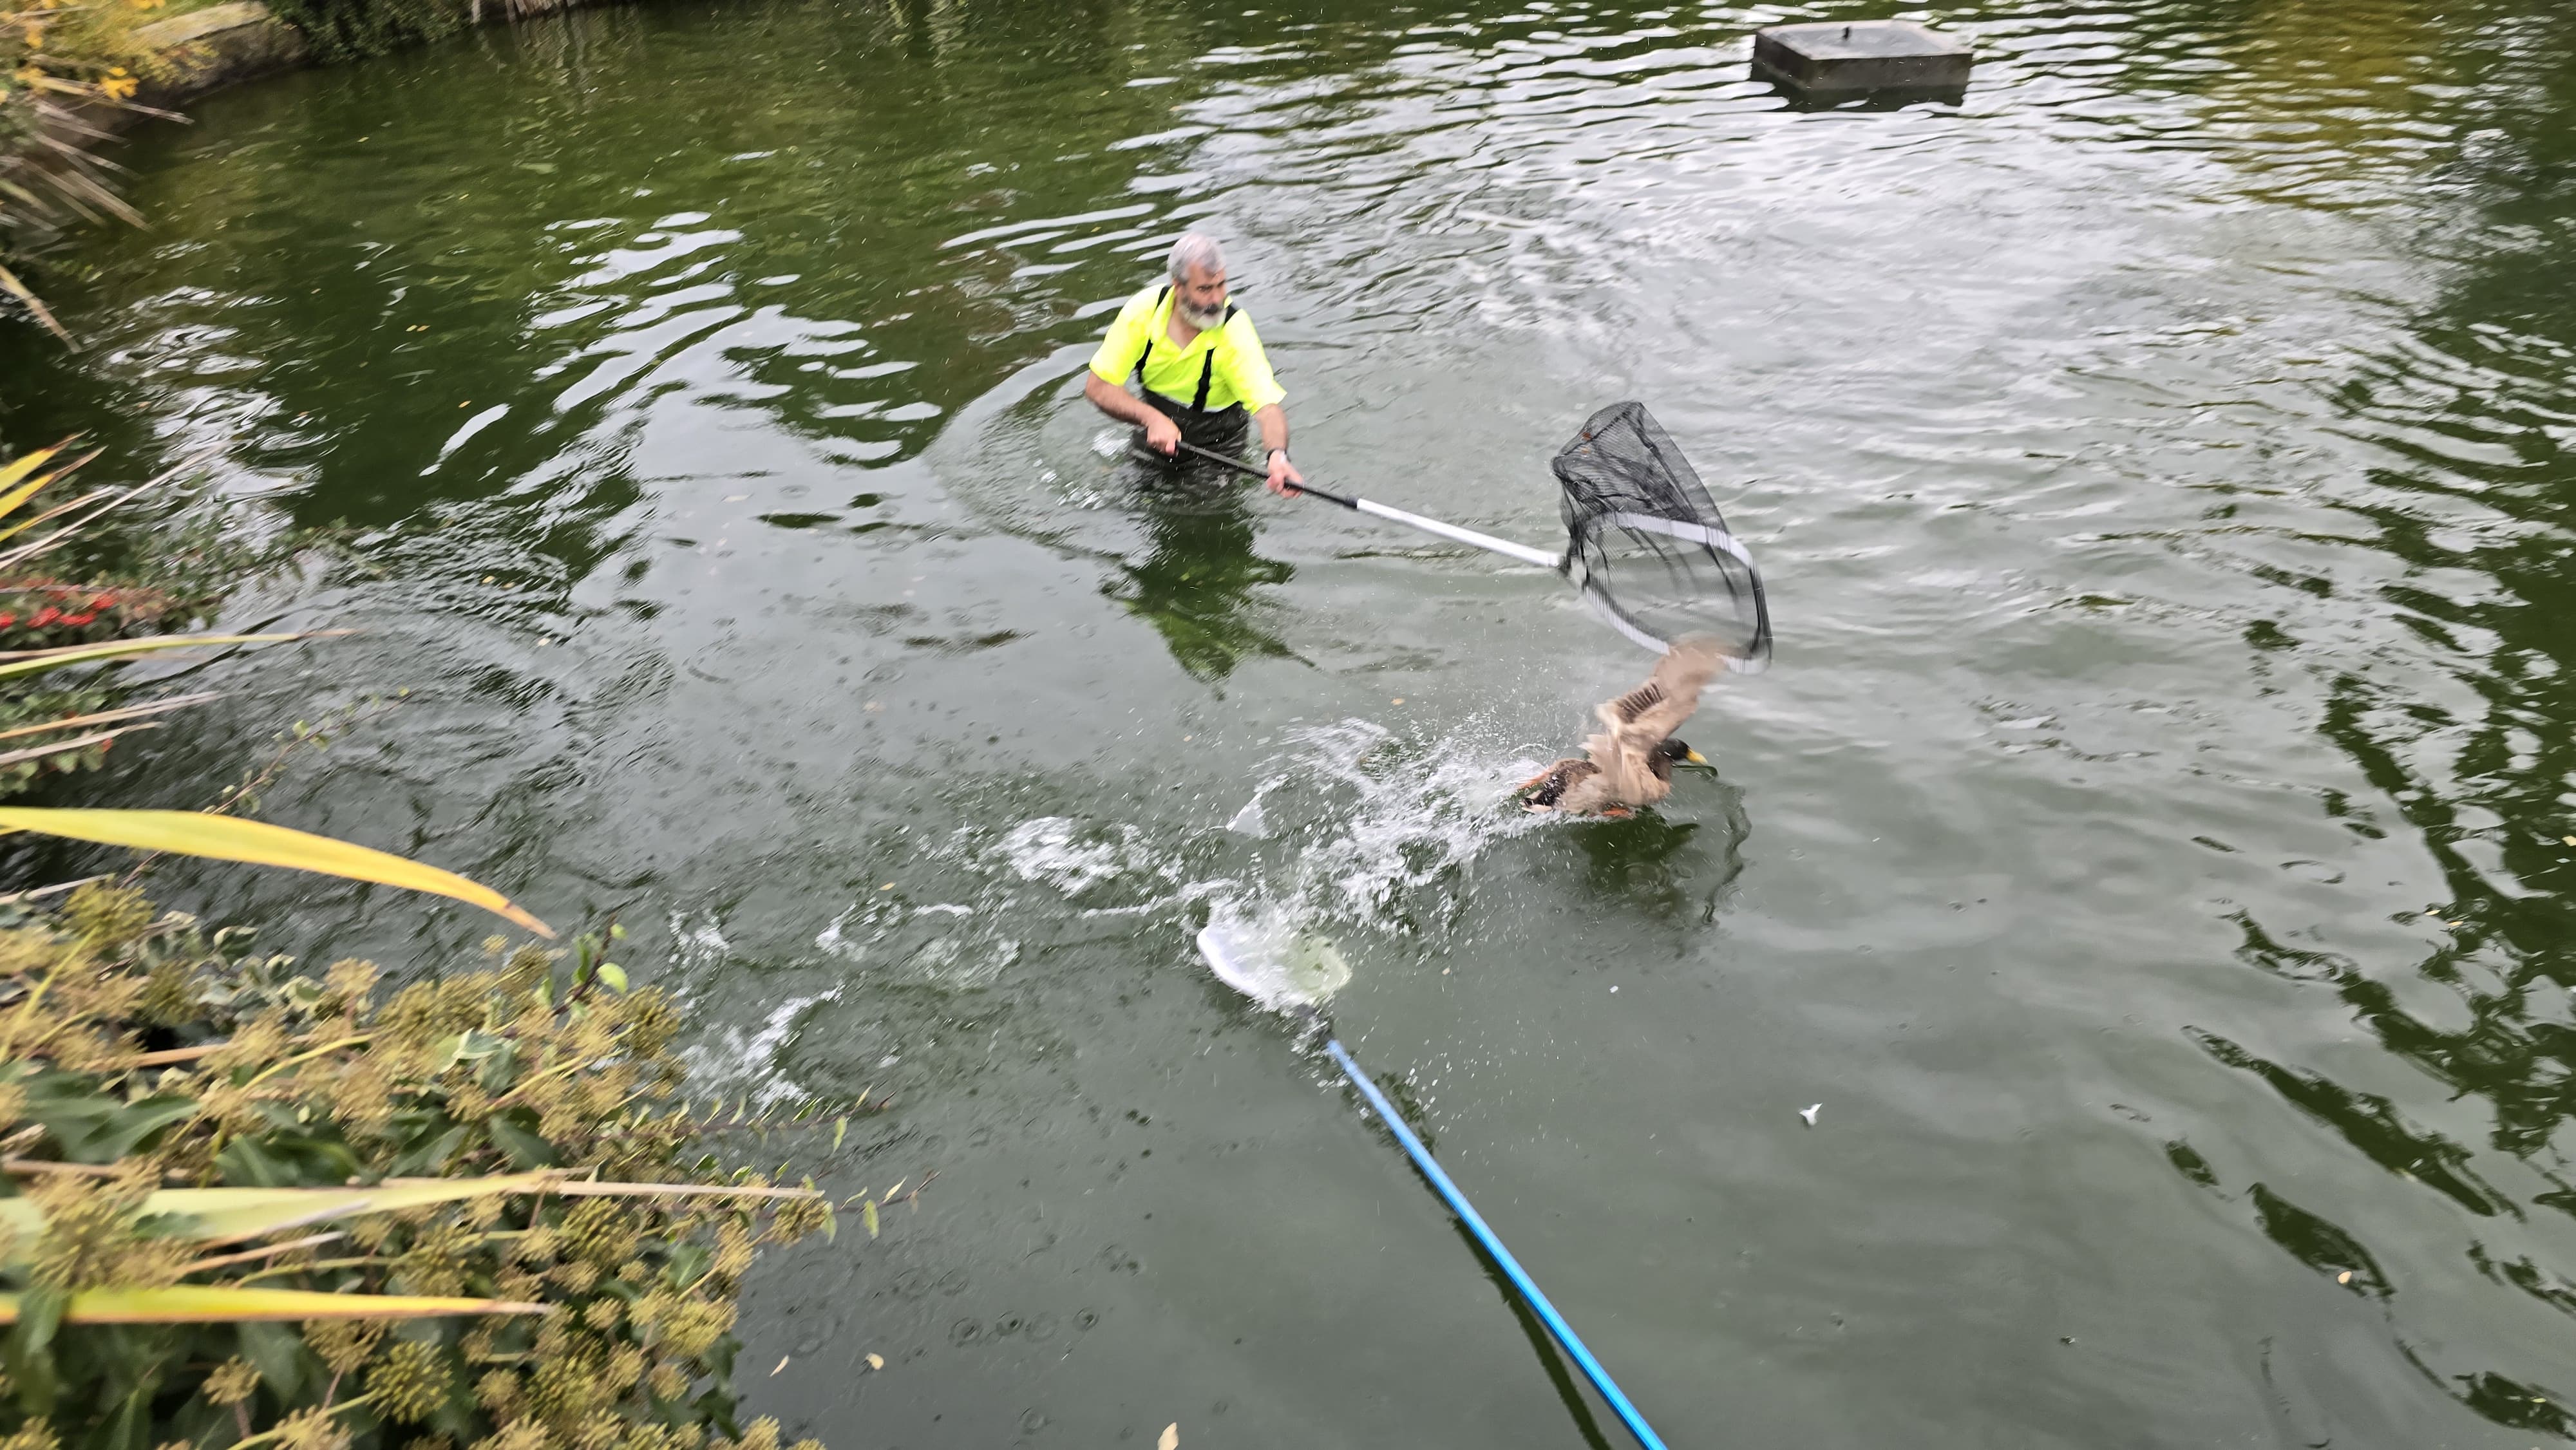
[1222, 427]
[1149, 338]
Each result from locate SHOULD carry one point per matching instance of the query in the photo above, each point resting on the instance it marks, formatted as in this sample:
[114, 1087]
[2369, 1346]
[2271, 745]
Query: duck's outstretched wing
[1647, 715]
[1638, 721]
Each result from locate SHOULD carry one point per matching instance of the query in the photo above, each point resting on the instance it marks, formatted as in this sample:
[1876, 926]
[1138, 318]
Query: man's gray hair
[1195, 252]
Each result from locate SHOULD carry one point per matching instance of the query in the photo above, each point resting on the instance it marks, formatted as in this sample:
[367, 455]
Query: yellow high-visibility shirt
[1222, 366]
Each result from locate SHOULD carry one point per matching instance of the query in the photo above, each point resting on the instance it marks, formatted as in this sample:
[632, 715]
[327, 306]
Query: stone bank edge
[219, 46]
[224, 45]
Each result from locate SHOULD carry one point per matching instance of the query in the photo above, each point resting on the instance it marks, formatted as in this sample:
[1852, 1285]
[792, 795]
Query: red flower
[45, 616]
[101, 602]
[7, 620]
[80, 618]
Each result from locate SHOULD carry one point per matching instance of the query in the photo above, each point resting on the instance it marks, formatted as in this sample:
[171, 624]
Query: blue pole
[1475, 1223]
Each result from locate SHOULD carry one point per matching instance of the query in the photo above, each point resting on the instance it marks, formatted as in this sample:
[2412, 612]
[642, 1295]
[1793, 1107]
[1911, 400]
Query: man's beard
[1195, 318]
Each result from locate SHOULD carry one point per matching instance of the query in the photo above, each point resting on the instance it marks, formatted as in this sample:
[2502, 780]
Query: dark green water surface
[2148, 847]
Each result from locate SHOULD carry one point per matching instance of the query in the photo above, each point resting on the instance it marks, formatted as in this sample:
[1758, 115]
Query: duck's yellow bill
[1696, 758]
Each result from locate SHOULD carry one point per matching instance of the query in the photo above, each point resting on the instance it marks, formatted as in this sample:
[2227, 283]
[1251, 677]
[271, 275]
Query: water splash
[1390, 825]
[1353, 828]
[943, 944]
[1074, 859]
[734, 1060]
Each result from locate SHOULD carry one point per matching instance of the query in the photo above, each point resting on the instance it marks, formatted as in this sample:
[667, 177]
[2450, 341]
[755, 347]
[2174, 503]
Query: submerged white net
[1267, 959]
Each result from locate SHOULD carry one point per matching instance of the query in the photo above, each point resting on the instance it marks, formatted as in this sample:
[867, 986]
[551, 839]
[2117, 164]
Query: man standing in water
[1198, 364]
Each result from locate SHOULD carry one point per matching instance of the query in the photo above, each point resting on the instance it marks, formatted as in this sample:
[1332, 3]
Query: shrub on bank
[556, 1265]
[63, 63]
[342, 29]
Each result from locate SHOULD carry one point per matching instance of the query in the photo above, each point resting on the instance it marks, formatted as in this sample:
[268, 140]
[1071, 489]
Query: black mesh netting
[1647, 547]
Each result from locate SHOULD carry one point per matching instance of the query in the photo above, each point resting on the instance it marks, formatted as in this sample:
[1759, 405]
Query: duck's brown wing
[1624, 773]
[1648, 715]
[1638, 721]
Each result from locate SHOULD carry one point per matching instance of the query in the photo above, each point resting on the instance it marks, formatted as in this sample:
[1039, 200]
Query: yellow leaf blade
[10, 284]
[195, 1304]
[81, 654]
[257, 843]
[222, 1214]
[27, 490]
[22, 493]
[18, 468]
[226, 1215]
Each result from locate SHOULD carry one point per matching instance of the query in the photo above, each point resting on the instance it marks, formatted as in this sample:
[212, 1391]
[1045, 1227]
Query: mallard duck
[1631, 761]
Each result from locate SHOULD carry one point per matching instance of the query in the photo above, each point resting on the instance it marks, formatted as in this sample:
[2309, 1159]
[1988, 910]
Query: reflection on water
[1662, 869]
[2160, 456]
[1196, 581]
[2467, 523]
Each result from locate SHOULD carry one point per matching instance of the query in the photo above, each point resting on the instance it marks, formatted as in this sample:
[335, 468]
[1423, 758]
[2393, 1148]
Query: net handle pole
[1493, 1246]
[1505, 547]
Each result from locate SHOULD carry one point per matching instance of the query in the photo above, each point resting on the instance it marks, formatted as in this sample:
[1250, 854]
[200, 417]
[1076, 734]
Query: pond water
[2147, 847]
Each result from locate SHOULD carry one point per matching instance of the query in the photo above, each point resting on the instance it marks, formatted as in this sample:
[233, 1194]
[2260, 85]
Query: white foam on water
[697, 945]
[944, 944]
[1190, 893]
[1051, 849]
[748, 1061]
[963, 962]
[835, 938]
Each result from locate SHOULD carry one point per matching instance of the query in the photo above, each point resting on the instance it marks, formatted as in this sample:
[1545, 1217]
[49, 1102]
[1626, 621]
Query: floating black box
[1865, 55]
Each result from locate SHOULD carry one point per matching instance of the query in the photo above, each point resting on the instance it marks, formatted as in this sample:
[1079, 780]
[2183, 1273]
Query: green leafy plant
[477, 1197]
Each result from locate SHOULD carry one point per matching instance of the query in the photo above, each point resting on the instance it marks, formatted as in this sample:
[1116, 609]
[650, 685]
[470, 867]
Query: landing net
[1264, 956]
[1647, 546]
